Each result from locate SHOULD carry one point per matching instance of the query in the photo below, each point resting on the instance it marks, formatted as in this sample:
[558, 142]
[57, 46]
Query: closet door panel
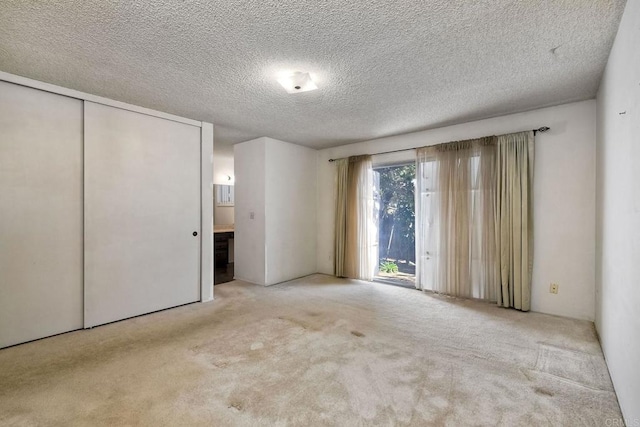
[40, 214]
[142, 207]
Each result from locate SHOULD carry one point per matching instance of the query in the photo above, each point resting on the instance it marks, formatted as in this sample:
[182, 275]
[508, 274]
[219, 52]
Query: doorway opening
[394, 196]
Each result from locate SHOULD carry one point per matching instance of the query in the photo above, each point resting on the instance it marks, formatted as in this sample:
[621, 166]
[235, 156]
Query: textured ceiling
[383, 67]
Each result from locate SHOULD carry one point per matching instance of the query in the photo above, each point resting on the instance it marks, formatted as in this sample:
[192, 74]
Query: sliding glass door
[394, 195]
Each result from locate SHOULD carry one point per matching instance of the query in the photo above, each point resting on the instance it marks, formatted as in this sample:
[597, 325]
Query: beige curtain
[455, 219]
[514, 219]
[473, 219]
[355, 233]
[342, 169]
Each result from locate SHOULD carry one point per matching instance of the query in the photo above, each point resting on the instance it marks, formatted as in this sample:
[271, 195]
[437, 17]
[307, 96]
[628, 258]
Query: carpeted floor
[315, 351]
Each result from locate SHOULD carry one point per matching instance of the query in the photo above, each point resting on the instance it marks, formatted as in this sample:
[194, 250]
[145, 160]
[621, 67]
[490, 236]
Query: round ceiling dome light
[297, 82]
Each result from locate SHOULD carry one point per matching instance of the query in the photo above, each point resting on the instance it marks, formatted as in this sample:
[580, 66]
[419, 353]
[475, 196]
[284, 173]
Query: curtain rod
[540, 129]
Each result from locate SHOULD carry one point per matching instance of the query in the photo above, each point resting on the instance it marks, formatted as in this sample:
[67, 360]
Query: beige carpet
[316, 351]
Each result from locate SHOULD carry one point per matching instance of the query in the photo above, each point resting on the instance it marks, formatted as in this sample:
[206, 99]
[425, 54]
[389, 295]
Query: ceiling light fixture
[297, 82]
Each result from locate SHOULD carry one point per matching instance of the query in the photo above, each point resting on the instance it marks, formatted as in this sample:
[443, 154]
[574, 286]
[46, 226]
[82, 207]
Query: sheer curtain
[455, 219]
[473, 219]
[355, 254]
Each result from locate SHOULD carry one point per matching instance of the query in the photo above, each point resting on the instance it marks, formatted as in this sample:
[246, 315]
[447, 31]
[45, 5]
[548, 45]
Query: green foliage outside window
[388, 267]
[397, 213]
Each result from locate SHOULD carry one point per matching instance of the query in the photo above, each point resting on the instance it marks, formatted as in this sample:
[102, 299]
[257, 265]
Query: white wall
[224, 215]
[564, 197]
[206, 188]
[618, 214]
[223, 168]
[250, 196]
[291, 211]
[277, 181]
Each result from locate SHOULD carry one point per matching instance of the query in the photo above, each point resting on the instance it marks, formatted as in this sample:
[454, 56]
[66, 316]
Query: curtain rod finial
[543, 129]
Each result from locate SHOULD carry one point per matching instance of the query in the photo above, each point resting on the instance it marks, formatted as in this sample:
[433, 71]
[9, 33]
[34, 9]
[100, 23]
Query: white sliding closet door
[40, 214]
[142, 207]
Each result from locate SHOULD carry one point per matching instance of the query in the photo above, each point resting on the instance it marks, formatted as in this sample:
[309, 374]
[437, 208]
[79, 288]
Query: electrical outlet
[553, 288]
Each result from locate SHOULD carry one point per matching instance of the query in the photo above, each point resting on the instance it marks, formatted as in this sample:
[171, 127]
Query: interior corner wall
[290, 211]
[564, 197]
[250, 197]
[618, 214]
[276, 181]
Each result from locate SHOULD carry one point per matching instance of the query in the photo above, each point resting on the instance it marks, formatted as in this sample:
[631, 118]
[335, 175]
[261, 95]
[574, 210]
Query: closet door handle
[195, 233]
